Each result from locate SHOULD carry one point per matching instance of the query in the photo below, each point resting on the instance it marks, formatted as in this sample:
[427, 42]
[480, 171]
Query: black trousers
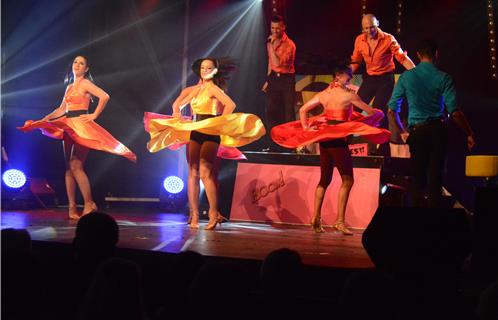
[428, 144]
[379, 88]
[280, 100]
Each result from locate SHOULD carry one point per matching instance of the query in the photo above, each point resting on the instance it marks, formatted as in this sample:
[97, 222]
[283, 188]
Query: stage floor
[147, 229]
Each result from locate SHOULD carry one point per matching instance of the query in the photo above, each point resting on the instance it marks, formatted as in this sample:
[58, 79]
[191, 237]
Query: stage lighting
[173, 184]
[173, 197]
[392, 195]
[14, 178]
[383, 189]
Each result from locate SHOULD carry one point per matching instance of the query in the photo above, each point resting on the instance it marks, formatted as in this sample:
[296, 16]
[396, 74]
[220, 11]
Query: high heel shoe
[316, 225]
[214, 220]
[193, 221]
[92, 207]
[221, 219]
[73, 213]
[341, 227]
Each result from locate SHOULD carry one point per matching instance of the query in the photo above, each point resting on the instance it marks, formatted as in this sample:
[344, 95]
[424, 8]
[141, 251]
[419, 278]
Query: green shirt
[428, 90]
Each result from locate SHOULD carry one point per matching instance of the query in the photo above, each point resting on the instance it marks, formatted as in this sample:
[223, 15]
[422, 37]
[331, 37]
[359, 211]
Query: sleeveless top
[203, 103]
[74, 100]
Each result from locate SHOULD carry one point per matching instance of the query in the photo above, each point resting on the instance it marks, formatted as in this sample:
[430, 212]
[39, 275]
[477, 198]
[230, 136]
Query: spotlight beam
[226, 33]
[151, 53]
[207, 53]
[41, 31]
[79, 47]
[104, 76]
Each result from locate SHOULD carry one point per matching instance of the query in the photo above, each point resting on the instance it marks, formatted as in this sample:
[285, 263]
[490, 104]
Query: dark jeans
[428, 144]
[280, 100]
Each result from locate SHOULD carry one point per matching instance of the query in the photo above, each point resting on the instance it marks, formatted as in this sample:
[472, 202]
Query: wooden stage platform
[147, 229]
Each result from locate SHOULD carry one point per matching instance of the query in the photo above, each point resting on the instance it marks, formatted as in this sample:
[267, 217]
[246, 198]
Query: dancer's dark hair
[70, 76]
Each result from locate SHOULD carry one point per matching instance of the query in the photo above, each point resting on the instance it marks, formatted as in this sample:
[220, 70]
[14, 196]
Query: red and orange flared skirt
[88, 134]
[330, 127]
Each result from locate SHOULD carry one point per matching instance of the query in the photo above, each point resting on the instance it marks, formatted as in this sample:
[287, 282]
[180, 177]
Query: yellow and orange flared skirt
[235, 130]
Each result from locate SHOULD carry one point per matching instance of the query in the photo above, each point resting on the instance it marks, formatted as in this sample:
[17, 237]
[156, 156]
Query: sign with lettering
[359, 149]
[285, 193]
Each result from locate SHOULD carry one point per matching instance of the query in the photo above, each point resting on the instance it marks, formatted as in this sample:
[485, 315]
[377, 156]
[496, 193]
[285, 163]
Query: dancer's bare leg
[193, 188]
[76, 164]
[326, 168]
[343, 162]
[67, 145]
[207, 173]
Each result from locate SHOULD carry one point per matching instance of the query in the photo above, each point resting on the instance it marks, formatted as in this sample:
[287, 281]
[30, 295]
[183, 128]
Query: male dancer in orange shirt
[280, 84]
[377, 49]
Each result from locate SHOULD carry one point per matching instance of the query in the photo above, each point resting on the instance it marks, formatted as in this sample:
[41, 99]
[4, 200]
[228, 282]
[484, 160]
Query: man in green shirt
[431, 96]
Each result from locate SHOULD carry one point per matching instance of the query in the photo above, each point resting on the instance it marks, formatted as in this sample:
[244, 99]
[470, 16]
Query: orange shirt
[286, 52]
[380, 60]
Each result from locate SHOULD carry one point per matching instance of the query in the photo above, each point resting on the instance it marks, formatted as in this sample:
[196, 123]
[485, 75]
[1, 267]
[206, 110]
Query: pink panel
[284, 193]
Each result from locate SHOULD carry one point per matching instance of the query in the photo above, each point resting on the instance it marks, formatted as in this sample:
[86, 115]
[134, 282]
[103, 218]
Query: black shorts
[336, 143]
[200, 137]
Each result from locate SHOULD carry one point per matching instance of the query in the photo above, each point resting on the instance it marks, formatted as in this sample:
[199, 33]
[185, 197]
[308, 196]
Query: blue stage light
[14, 178]
[173, 184]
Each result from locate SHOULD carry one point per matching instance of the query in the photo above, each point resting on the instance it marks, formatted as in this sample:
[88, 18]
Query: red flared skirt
[291, 135]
